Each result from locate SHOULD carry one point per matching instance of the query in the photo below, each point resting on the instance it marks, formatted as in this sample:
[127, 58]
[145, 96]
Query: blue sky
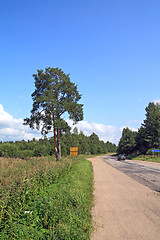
[111, 49]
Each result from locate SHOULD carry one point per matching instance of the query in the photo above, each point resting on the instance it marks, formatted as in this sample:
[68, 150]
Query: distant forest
[45, 146]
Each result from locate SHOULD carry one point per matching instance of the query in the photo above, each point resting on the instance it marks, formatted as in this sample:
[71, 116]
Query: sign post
[73, 151]
[155, 151]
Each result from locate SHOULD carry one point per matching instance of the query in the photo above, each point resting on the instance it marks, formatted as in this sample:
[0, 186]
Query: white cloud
[131, 128]
[104, 132]
[12, 129]
[157, 101]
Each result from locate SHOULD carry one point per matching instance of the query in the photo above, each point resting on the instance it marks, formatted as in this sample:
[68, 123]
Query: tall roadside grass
[148, 158]
[43, 199]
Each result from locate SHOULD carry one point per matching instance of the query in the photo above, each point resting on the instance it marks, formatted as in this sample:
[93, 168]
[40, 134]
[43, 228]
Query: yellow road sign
[73, 151]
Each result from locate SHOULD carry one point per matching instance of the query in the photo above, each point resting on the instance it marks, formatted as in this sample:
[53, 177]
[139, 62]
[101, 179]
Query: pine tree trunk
[55, 144]
[58, 156]
[58, 145]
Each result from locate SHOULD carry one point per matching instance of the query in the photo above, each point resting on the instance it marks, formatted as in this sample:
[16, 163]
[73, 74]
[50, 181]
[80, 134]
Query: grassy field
[45, 199]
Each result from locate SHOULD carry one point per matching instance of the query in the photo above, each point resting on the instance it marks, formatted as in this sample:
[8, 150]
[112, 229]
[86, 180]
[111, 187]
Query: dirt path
[124, 209]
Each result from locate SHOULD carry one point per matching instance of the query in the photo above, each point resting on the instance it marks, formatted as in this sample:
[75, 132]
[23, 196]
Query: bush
[41, 151]
[8, 150]
[149, 152]
[25, 153]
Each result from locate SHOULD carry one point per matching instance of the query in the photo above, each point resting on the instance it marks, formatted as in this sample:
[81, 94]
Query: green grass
[46, 200]
[146, 158]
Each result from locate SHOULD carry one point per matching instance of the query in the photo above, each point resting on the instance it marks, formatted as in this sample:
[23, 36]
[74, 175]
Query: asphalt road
[146, 173]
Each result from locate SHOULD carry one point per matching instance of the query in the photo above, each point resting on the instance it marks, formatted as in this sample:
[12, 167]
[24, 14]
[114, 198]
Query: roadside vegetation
[45, 146]
[140, 145]
[149, 158]
[44, 199]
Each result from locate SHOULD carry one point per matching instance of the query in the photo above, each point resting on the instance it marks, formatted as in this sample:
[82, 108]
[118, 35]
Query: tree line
[147, 137]
[45, 146]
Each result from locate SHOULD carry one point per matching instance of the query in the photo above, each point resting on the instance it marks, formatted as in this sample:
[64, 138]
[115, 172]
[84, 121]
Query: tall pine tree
[54, 95]
[151, 125]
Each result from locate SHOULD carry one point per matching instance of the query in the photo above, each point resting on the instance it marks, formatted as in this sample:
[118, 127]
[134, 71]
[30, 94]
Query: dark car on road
[121, 157]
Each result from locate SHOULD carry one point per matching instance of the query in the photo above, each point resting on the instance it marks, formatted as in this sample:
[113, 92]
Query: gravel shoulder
[124, 208]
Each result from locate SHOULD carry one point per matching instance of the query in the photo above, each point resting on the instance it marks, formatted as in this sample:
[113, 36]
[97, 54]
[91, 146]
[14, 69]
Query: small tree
[94, 143]
[54, 95]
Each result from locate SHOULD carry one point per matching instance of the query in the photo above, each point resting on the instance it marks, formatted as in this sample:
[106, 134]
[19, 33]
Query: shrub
[8, 150]
[149, 152]
[25, 153]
